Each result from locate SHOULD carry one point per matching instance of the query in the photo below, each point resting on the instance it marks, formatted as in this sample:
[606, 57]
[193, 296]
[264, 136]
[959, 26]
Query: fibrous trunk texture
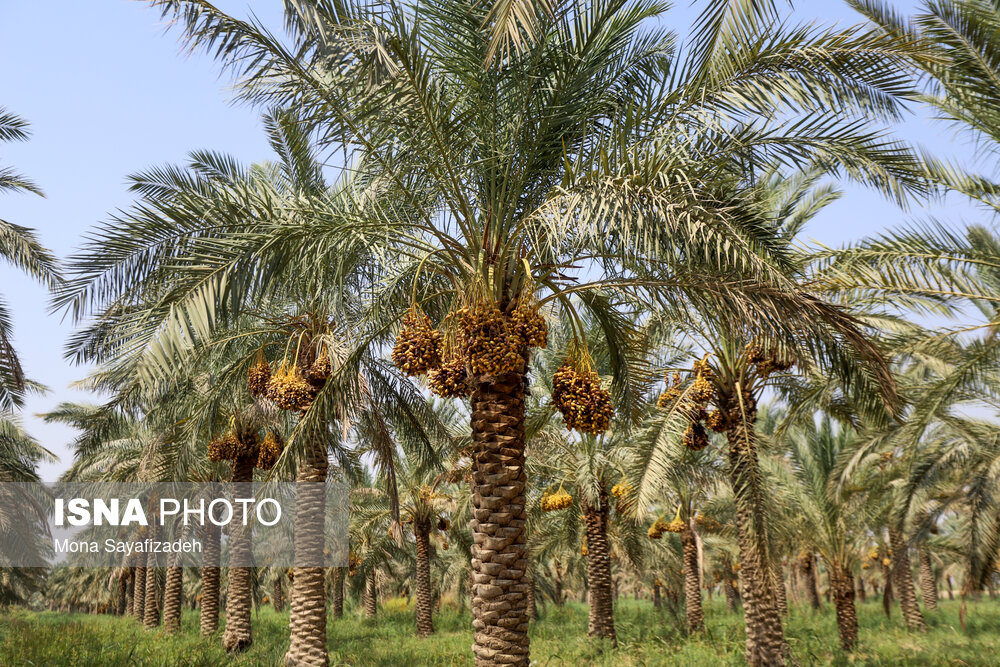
[307, 618]
[338, 593]
[730, 591]
[499, 516]
[425, 597]
[210, 580]
[532, 608]
[780, 594]
[172, 598]
[765, 640]
[928, 585]
[602, 614]
[902, 580]
[123, 584]
[139, 604]
[692, 582]
[130, 592]
[238, 635]
[808, 563]
[842, 585]
[151, 612]
[370, 595]
[278, 595]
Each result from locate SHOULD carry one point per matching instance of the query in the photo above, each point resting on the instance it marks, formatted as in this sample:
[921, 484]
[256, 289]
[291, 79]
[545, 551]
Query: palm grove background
[535, 278]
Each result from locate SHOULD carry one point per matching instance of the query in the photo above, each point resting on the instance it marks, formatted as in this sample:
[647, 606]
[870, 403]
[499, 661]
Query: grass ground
[558, 638]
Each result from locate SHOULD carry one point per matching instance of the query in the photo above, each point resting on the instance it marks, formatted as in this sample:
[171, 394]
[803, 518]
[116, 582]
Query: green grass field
[558, 638]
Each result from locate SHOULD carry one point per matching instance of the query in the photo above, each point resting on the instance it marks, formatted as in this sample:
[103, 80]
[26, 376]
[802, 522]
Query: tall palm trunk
[902, 579]
[808, 563]
[210, 580]
[370, 595]
[499, 558]
[123, 584]
[692, 581]
[862, 595]
[951, 588]
[338, 592]
[139, 603]
[238, 635]
[765, 640]
[928, 585]
[307, 619]
[172, 597]
[842, 591]
[657, 599]
[425, 601]
[130, 601]
[602, 613]
[151, 611]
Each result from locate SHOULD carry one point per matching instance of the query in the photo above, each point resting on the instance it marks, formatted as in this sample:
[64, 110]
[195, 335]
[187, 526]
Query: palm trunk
[130, 592]
[842, 585]
[765, 640]
[370, 595]
[793, 582]
[862, 596]
[278, 595]
[781, 595]
[928, 586]
[692, 582]
[730, 591]
[210, 580]
[425, 602]
[238, 635]
[902, 577]
[172, 597]
[151, 610]
[808, 563]
[499, 557]
[338, 593]
[123, 584]
[139, 604]
[307, 619]
[657, 600]
[532, 608]
[602, 614]
[951, 591]
[557, 583]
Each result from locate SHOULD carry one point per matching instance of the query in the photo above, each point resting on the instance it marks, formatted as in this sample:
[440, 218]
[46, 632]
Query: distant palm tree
[21, 248]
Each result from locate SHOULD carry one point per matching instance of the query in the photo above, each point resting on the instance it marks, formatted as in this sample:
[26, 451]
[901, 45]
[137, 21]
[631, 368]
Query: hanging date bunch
[418, 345]
[270, 450]
[258, 376]
[527, 322]
[552, 502]
[767, 360]
[695, 437]
[234, 443]
[656, 530]
[676, 525]
[304, 370]
[487, 341]
[577, 394]
[451, 378]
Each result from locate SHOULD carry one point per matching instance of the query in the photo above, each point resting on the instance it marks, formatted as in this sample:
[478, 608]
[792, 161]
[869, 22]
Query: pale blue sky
[108, 93]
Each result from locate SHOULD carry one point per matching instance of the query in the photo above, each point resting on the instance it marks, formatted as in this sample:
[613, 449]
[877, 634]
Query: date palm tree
[500, 154]
[19, 247]
[834, 514]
